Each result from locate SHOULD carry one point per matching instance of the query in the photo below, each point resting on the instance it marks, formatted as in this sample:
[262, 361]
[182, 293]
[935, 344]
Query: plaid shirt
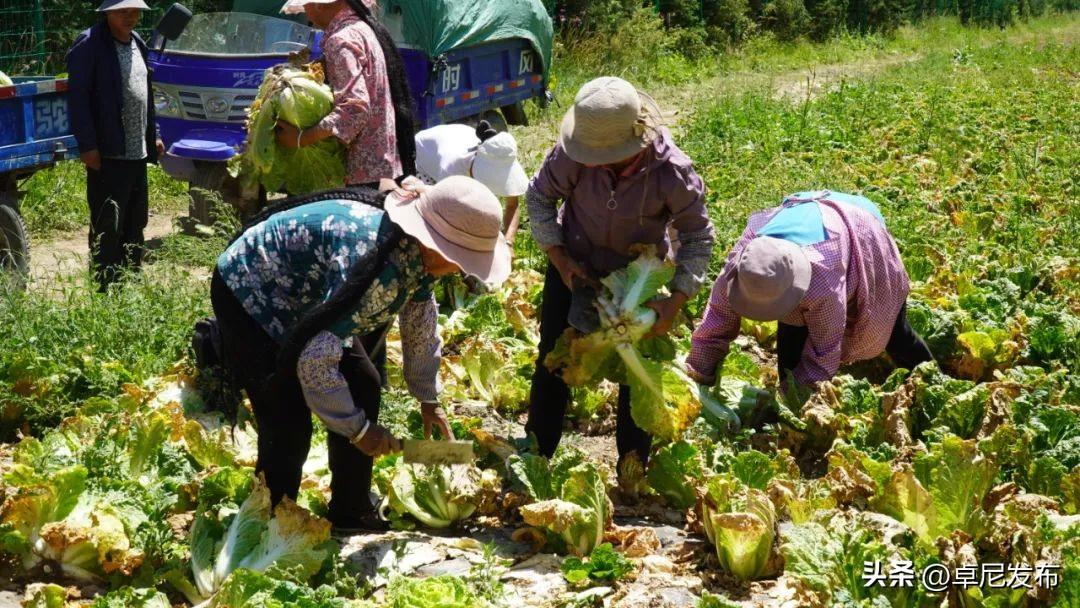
[858, 287]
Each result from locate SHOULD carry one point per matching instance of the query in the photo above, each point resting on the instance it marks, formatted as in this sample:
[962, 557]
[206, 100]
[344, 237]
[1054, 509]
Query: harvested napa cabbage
[663, 400]
[5, 80]
[297, 95]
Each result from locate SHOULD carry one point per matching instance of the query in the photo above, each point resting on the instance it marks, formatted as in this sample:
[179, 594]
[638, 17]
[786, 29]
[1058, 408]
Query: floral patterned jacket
[295, 260]
[363, 115]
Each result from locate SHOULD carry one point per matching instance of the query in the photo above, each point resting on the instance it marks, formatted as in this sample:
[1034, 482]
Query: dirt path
[68, 254]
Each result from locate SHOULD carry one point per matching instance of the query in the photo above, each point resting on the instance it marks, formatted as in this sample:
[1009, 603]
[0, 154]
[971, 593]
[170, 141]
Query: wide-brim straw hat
[771, 279]
[609, 122]
[496, 166]
[295, 7]
[461, 219]
[116, 5]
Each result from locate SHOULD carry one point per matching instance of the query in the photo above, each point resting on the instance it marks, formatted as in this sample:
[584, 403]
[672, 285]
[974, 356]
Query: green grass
[972, 155]
[55, 200]
[66, 344]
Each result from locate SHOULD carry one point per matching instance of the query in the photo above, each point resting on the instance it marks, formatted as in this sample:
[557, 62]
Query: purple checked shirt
[858, 287]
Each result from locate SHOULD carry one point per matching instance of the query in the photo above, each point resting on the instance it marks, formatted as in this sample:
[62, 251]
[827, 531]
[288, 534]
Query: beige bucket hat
[771, 279]
[461, 219]
[609, 122]
[295, 7]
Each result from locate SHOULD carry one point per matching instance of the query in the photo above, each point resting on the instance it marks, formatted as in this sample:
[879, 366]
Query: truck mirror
[174, 21]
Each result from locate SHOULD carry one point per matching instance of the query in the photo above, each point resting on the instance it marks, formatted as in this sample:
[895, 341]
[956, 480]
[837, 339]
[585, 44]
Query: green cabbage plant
[741, 523]
[663, 399]
[570, 495]
[438, 496]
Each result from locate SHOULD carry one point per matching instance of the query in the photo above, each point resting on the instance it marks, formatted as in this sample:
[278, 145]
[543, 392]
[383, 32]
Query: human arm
[81, 67]
[511, 218]
[348, 68]
[826, 322]
[327, 394]
[422, 353]
[690, 219]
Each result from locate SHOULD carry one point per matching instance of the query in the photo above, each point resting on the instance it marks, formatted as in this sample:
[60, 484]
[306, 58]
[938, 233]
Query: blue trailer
[205, 81]
[34, 135]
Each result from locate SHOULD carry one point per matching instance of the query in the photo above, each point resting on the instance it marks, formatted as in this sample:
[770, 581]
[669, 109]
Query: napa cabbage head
[575, 509]
[226, 537]
[437, 496]
[741, 523]
[663, 399]
[298, 96]
[5, 80]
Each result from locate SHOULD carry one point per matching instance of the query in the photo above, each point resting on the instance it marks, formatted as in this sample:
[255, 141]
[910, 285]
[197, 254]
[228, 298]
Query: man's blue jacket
[95, 101]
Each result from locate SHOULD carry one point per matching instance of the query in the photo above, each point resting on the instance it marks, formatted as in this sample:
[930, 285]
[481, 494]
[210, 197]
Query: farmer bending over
[112, 118]
[823, 265]
[298, 295]
[372, 112]
[623, 182]
[482, 153]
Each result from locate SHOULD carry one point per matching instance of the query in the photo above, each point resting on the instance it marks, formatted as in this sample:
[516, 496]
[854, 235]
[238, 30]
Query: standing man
[112, 118]
[824, 265]
[622, 182]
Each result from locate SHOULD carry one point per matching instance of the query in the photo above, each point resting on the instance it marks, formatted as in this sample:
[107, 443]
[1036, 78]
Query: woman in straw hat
[297, 295]
[623, 183]
[823, 265]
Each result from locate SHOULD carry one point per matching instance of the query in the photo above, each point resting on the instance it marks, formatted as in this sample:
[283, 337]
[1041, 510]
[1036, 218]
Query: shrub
[787, 19]
[728, 21]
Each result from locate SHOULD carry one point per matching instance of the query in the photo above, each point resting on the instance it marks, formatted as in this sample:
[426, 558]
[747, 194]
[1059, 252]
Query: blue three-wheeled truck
[465, 59]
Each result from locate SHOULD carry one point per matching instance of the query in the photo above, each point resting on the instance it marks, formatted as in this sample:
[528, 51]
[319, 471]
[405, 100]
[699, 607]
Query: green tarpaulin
[439, 26]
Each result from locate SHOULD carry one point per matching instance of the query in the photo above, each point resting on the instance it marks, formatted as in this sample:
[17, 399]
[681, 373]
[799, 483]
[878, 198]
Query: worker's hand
[434, 417]
[378, 442]
[288, 135]
[91, 159]
[402, 192]
[160, 147]
[569, 270]
[666, 311]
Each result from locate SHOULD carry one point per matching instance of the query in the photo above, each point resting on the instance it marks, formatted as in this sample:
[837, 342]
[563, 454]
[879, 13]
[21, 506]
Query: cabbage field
[954, 486]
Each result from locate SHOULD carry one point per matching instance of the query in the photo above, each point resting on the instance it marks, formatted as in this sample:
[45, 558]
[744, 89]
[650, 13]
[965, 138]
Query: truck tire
[515, 114]
[14, 243]
[495, 119]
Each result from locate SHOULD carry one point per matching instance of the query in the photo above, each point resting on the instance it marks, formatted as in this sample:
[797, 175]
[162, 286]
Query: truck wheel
[14, 243]
[515, 114]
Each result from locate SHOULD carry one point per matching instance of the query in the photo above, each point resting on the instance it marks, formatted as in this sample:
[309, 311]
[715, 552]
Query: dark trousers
[119, 209]
[905, 346]
[283, 417]
[549, 395]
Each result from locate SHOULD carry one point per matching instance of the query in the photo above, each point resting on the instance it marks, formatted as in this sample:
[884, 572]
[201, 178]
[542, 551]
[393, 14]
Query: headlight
[165, 104]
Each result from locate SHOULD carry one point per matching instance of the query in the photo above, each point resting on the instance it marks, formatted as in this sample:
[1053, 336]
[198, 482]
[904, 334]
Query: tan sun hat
[462, 220]
[497, 167]
[609, 122]
[295, 7]
[771, 279]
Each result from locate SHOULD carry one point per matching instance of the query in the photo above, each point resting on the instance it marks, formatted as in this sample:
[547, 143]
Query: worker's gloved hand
[434, 416]
[484, 131]
[378, 441]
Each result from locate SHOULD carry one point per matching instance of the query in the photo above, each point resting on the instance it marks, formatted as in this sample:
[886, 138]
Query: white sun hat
[497, 167]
